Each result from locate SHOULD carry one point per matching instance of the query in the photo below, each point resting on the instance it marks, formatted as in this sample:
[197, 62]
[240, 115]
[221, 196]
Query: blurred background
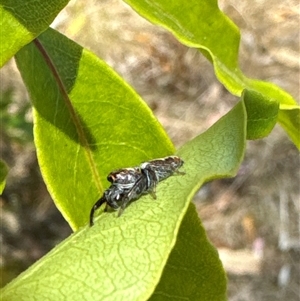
[254, 218]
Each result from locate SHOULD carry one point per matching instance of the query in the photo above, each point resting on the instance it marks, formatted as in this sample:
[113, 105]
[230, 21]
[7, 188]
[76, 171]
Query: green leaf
[289, 118]
[87, 122]
[200, 24]
[261, 112]
[21, 22]
[123, 258]
[3, 175]
[193, 270]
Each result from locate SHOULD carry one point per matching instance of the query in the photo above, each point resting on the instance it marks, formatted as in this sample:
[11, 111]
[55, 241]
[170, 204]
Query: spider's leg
[175, 170]
[179, 172]
[125, 201]
[152, 180]
[152, 191]
[133, 193]
[101, 201]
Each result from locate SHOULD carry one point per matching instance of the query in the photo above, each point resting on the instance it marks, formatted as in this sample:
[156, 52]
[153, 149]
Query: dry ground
[253, 219]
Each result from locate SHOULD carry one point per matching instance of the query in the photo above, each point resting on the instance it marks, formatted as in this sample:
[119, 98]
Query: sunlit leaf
[124, 258]
[3, 175]
[200, 24]
[289, 118]
[87, 122]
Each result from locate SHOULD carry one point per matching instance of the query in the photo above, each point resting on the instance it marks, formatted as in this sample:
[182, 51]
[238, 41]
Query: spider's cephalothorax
[130, 183]
[125, 177]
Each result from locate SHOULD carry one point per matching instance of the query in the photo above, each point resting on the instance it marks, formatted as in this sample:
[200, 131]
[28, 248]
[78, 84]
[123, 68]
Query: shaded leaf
[193, 270]
[261, 114]
[21, 22]
[87, 122]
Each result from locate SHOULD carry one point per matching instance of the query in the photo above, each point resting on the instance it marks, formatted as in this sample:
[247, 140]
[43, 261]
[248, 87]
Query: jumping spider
[129, 184]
